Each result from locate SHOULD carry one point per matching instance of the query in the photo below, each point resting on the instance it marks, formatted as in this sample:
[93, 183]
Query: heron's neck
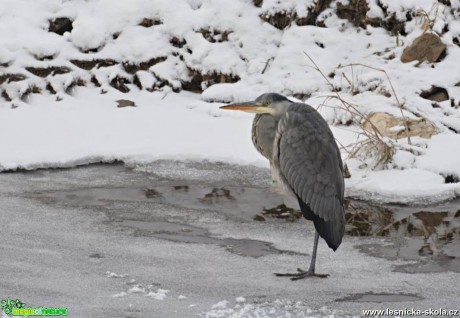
[263, 133]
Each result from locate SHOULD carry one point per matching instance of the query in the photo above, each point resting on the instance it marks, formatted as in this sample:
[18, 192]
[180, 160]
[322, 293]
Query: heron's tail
[331, 231]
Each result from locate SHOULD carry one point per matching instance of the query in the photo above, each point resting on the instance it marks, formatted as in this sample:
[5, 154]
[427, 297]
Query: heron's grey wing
[309, 162]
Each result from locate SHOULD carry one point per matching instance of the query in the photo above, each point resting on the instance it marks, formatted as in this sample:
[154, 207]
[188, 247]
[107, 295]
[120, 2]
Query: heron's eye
[266, 102]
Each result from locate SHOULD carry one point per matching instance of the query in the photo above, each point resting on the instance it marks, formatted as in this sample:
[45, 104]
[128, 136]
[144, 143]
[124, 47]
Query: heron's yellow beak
[249, 107]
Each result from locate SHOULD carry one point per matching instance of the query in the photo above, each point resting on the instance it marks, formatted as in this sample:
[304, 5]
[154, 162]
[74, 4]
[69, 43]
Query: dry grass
[401, 106]
[427, 20]
[372, 143]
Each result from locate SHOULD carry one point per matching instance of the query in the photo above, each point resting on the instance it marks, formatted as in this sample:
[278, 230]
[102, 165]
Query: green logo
[18, 308]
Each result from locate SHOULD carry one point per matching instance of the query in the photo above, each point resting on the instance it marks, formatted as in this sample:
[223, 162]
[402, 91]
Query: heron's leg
[313, 255]
[311, 270]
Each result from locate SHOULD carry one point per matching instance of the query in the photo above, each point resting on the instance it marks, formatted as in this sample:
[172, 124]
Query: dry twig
[373, 139]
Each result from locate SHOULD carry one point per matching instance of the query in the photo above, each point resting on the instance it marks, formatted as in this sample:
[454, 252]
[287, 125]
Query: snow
[136, 290]
[83, 125]
[240, 299]
[220, 305]
[443, 155]
[157, 129]
[278, 308]
[160, 294]
[397, 186]
[115, 275]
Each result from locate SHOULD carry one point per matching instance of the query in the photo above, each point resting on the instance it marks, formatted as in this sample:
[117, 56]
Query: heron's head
[269, 103]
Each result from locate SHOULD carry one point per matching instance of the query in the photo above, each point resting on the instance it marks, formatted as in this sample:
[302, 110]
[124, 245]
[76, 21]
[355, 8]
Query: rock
[279, 20]
[45, 71]
[283, 19]
[214, 36]
[43, 57]
[259, 218]
[456, 41]
[91, 50]
[217, 195]
[282, 212]
[137, 82]
[435, 93]
[313, 14]
[6, 96]
[119, 83]
[95, 81]
[90, 64]
[11, 77]
[258, 3]
[105, 63]
[176, 42]
[354, 11]
[128, 103]
[76, 82]
[132, 68]
[391, 23]
[147, 22]
[60, 25]
[197, 80]
[427, 47]
[451, 179]
[394, 127]
[150, 193]
[33, 89]
[50, 88]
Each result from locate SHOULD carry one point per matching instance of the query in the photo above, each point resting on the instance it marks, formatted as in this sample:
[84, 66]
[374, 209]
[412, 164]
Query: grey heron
[305, 161]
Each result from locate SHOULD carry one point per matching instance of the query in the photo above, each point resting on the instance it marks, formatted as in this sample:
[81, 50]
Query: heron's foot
[302, 274]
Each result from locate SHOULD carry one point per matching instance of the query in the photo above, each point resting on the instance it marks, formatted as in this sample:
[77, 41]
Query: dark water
[192, 234]
[428, 235]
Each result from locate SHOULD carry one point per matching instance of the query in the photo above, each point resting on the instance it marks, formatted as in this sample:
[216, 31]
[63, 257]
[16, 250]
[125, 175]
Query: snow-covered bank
[89, 127]
[59, 87]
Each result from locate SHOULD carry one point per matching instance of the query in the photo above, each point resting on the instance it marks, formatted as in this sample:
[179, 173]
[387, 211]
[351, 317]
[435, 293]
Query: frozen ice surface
[62, 236]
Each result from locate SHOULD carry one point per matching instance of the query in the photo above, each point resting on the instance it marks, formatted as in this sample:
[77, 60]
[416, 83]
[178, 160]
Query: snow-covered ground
[49, 120]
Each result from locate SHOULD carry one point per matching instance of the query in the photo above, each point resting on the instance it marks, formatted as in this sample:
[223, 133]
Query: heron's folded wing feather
[309, 161]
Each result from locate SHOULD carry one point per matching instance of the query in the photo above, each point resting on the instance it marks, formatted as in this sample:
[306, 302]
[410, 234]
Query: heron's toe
[301, 274]
[308, 274]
